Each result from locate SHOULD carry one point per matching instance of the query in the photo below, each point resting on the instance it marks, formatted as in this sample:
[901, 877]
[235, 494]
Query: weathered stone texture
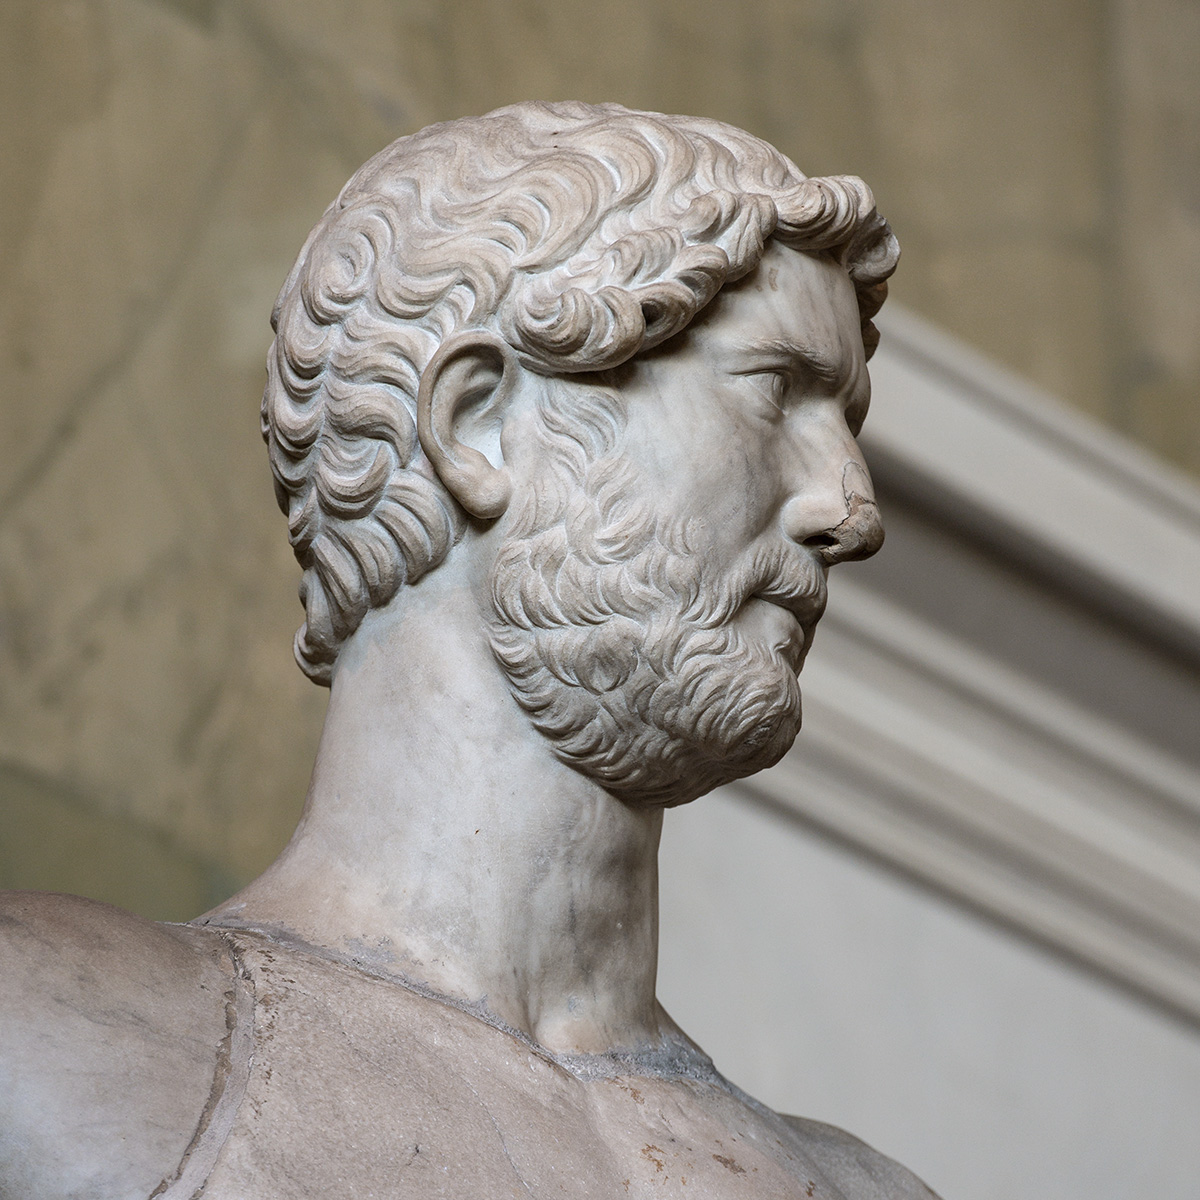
[161, 162]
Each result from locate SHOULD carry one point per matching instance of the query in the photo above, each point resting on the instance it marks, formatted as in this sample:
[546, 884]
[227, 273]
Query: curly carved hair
[581, 234]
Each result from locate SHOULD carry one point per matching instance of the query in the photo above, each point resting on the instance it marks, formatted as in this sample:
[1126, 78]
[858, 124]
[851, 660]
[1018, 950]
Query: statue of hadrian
[561, 410]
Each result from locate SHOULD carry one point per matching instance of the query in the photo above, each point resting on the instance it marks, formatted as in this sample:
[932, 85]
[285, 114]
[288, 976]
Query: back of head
[580, 234]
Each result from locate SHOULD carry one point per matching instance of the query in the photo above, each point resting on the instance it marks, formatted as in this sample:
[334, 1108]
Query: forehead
[793, 298]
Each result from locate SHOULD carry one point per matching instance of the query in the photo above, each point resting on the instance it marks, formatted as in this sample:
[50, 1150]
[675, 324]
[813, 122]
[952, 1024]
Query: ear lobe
[460, 407]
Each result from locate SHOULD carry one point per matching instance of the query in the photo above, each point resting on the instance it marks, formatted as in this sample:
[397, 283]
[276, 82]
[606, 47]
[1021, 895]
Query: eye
[772, 385]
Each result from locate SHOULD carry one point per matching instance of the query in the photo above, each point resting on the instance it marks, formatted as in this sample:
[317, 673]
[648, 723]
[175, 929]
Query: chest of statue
[335, 1083]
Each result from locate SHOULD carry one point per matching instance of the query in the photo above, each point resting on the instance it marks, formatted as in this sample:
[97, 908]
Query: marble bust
[561, 410]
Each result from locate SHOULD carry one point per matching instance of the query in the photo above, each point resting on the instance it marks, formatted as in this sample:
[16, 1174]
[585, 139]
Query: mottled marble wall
[161, 162]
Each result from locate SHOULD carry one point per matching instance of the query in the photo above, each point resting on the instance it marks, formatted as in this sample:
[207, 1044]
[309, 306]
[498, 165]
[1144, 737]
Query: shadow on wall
[53, 839]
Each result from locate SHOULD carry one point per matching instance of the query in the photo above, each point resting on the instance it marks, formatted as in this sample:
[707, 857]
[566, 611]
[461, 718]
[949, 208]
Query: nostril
[822, 541]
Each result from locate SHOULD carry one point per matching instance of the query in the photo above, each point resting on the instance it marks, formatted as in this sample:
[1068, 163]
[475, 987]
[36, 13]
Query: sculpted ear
[460, 409]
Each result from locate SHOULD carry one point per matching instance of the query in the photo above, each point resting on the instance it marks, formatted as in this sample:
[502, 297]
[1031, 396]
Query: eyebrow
[828, 370]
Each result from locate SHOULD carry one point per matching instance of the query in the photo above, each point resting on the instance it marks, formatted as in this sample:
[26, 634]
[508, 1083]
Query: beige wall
[161, 163]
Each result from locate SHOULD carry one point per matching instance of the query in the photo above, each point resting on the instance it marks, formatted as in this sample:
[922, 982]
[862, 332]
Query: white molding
[1080, 498]
[929, 754]
[923, 752]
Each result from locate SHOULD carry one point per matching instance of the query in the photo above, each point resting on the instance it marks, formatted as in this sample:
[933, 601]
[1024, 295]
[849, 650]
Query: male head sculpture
[575, 237]
[561, 410]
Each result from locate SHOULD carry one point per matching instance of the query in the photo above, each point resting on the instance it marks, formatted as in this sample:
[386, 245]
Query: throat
[443, 844]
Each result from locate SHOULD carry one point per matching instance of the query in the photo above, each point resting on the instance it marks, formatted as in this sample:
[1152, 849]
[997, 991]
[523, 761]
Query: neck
[443, 843]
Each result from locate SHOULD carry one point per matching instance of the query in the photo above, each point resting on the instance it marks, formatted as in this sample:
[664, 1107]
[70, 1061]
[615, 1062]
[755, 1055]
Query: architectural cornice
[925, 754]
[984, 449]
[947, 762]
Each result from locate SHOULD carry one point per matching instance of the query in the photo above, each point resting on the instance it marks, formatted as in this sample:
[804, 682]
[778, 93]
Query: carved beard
[622, 649]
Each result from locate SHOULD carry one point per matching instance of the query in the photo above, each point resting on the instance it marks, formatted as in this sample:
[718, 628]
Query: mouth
[805, 604]
[786, 630]
[796, 609]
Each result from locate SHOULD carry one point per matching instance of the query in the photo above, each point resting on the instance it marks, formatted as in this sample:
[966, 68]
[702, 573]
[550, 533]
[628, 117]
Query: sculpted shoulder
[860, 1172]
[110, 1030]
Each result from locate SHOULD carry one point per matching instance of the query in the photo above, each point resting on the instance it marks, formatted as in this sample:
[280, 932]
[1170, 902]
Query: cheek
[714, 488]
[707, 460]
[736, 483]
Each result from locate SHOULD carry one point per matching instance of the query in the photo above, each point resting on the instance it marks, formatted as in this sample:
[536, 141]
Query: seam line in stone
[235, 1060]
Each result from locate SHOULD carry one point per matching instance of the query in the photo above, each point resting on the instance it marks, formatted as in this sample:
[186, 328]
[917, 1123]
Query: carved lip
[805, 605]
[805, 609]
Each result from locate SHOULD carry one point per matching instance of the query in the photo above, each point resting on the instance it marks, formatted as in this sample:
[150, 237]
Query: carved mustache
[788, 577]
[804, 598]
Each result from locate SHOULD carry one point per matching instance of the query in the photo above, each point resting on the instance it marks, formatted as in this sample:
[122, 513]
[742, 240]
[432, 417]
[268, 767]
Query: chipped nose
[859, 535]
[849, 530]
